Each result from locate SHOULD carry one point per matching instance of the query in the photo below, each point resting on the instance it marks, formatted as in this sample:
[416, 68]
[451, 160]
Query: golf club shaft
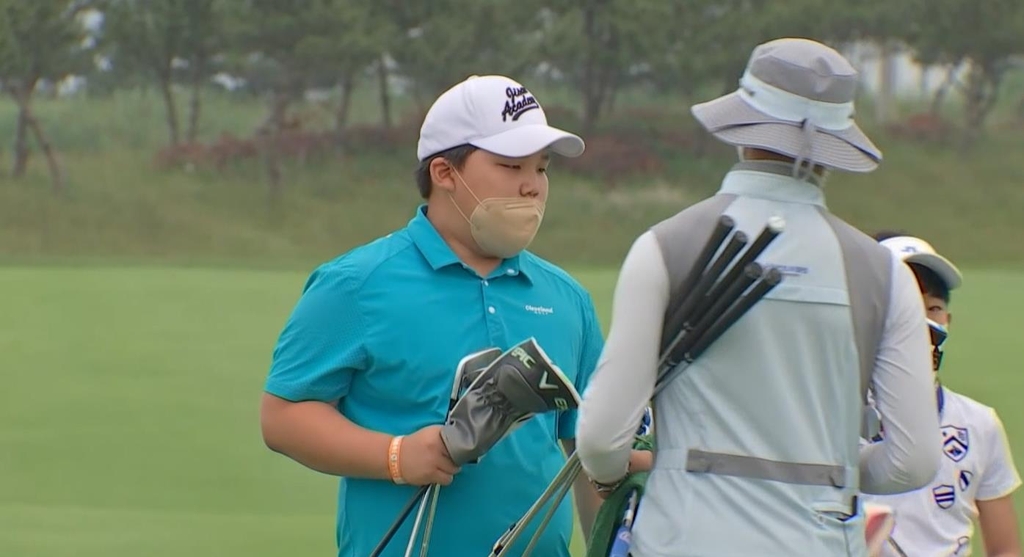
[723, 227]
[555, 503]
[717, 309]
[402, 516]
[428, 528]
[771, 279]
[569, 470]
[768, 234]
[561, 486]
[416, 525]
[694, 299]
[710, 335]
[715, 271]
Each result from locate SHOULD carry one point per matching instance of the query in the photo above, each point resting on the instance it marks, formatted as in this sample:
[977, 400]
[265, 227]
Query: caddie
[756, 443]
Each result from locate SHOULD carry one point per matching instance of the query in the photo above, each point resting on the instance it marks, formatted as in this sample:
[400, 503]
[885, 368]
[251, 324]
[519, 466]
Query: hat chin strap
[806, 154]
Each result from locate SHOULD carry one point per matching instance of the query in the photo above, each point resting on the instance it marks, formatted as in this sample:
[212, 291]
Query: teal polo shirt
[381, 330]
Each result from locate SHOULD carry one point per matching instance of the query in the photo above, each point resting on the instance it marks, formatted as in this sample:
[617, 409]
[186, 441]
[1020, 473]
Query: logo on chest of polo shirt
[944, 495]
[954, 442]
[539, 310]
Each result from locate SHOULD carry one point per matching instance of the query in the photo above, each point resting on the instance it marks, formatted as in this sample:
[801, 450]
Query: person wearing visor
[977, 476]
[362, 372]
[757, 442]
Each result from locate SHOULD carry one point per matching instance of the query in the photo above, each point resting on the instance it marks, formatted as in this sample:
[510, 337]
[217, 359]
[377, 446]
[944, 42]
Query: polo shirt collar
[771, 180]
[439, 255]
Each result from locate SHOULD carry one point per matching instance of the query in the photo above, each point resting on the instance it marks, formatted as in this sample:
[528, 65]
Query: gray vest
[757, 441]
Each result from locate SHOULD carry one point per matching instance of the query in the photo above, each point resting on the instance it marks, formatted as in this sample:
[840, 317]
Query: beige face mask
[502, 226]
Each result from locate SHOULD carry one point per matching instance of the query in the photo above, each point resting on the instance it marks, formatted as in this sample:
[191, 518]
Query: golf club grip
[688, 309]
[399, 521]
[734, 313]
[751, 273]
[768, 234]
[718, 235]
[714, 274]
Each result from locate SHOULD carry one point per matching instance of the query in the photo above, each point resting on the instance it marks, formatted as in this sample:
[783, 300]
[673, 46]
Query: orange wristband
[393, 468]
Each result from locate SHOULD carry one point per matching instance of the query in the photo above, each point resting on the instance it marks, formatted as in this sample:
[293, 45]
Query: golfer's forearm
[317, 436]
[588, 502]
[619, 390]
[908, 456]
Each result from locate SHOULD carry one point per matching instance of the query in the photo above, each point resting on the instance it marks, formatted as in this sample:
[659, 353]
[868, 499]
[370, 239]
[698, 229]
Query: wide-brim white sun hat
[796, 97]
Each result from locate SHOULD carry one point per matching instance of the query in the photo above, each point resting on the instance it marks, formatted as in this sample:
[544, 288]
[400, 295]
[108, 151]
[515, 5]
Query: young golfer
[362, 372]
[977, 476]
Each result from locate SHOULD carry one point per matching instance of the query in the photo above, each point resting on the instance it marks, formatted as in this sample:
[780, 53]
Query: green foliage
[43, 39]
[439, 43]
[953, 30]
[301, 43]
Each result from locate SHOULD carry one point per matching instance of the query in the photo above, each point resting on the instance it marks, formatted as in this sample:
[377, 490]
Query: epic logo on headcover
[515, 108]
[521, 355]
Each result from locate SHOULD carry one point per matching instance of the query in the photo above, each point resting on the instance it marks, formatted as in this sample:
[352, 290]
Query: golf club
[470, 362]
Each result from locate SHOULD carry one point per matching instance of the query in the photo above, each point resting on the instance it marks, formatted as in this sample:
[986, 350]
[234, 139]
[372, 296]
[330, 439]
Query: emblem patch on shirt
[944, 495]
[965, 479]
[954, 442]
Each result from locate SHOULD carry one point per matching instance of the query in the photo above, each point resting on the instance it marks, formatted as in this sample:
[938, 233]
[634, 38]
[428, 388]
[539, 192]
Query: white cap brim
[523, 141]
[940, 265]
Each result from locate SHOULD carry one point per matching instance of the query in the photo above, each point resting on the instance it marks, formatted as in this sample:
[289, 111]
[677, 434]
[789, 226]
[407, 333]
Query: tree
[284, 48]
[442, 42]
[203, 42]
[599, 45]
[984, 36]
[39, 40]
[146, 36]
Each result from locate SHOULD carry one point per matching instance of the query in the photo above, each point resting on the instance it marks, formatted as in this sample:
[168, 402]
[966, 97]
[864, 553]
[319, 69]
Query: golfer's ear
[441, 174]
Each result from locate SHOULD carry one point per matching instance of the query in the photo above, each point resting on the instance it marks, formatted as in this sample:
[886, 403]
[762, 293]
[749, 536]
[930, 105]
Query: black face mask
[939, 334]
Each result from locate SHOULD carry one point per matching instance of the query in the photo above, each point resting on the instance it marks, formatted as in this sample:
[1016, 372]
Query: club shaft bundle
[716, 294]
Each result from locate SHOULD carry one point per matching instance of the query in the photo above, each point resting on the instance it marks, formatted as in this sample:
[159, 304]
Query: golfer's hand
[641, 461]
[424, 459]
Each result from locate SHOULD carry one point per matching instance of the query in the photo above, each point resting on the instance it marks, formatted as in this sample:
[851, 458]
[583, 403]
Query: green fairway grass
[129, 408]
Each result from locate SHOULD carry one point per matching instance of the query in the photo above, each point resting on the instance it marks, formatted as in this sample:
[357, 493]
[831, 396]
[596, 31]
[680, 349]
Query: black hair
[883, 235]
[456, 156]
[928, 280]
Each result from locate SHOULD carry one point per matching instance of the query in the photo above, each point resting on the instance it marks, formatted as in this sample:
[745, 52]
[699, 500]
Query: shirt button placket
[490, 314]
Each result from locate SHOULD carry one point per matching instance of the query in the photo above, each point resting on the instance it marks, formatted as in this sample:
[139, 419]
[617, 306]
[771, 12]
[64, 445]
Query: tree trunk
[170, 108]
[270, 134]
[385, 95]
[57, 180]
[591, 97]
[887, 86]
[982, 91]
[341, 112]
[195, 103]
[943, 90]
[21, 141]
[22, 94]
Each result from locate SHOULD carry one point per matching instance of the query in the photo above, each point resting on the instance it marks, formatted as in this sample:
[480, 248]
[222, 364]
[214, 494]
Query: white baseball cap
[493, 113]
[916, 250]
